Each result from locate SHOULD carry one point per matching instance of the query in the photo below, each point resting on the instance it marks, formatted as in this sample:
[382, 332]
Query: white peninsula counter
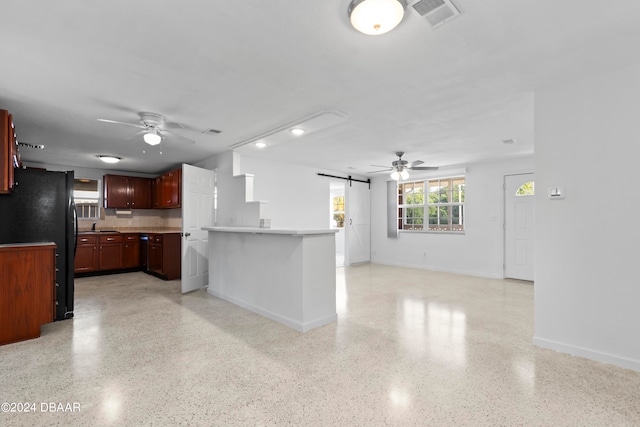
[287, 275]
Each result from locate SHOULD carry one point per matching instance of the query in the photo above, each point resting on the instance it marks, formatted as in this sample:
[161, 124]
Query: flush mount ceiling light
[375, 17]
[298, 131]
[260, 144]
[109, 159]
[152, 137]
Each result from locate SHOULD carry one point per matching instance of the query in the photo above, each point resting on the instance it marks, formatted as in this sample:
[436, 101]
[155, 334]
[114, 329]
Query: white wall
[295, 196]
[587, 290]
[478, 252]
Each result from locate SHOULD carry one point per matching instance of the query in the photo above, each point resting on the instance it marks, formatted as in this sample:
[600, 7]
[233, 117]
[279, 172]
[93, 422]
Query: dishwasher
[144, 250]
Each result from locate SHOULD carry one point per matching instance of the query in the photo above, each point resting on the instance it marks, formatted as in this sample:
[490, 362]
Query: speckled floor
[410, 347]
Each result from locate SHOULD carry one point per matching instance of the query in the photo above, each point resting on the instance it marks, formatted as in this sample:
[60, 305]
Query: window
[338, 211]
[437, 204]
[526, 189]
[86, 195]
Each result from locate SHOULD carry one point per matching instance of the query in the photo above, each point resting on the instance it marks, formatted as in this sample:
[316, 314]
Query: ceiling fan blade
[173, 125]
[380, 171]
[424, 168]
[172, 137]
[142, 132]
[122, 123]
[381, 166]
[416, 163]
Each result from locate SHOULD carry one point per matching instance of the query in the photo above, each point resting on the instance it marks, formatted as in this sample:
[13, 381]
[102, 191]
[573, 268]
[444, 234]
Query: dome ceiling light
[109, 159]
[375, 17]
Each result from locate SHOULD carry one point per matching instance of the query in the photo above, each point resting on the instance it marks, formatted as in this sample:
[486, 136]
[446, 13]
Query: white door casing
[358, 223]
[519, 228]
[197, 212]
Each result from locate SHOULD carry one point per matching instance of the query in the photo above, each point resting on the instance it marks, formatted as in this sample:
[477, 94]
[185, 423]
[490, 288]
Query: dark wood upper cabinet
[166, 189]
[171, 187]
[9, 155]
[140, 195]
[127, 192]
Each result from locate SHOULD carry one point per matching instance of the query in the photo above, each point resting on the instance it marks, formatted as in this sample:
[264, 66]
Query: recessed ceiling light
[109, 159]
[297, 131]
[260, 144]
[509, 141]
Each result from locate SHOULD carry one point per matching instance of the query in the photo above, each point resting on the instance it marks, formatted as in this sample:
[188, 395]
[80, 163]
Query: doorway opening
[337, 218]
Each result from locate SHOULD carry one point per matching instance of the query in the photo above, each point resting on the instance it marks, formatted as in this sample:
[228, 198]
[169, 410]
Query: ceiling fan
[399, 168]
[154, 129]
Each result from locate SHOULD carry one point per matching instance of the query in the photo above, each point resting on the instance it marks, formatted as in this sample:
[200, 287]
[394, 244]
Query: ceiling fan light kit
[375, 17]
[152, 137]
[400, 168]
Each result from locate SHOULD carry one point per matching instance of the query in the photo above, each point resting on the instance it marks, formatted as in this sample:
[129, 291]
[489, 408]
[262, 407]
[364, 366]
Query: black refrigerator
[41, 209]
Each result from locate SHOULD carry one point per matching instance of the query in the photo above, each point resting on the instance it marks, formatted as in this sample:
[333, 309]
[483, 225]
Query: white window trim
[426, 205]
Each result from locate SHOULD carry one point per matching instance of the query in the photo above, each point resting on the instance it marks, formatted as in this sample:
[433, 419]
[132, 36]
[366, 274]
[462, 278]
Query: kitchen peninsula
[286, 275]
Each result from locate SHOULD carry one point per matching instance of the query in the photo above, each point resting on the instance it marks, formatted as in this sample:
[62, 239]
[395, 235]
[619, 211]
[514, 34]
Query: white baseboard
[441, 270]
[598, 356]
[287, 321]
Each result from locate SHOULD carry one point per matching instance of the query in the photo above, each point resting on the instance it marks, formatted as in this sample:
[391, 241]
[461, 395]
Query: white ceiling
[447, 96]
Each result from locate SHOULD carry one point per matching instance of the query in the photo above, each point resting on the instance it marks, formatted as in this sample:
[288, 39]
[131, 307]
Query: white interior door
[358, 223]
[519, 227]
[197, 211]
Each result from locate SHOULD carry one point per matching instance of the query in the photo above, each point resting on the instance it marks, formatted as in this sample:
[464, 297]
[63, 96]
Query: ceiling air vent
[437, 12]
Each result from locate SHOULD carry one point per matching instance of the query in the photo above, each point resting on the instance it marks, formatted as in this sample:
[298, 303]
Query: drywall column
[586, 276]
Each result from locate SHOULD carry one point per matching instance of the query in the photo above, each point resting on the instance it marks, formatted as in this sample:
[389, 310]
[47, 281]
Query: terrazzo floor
[410, 347]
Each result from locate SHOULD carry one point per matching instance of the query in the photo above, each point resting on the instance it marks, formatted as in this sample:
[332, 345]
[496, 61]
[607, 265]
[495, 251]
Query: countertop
[22, 245]
[288, 231]
[132, 230]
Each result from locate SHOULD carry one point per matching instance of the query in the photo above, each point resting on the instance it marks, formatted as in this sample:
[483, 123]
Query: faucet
[93, 227]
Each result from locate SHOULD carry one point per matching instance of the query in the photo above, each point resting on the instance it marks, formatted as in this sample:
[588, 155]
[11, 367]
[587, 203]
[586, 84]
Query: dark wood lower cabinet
[86, 259]
[27, 290]
[131, 254]
[165, 255]
[161, 254]
[110, 252]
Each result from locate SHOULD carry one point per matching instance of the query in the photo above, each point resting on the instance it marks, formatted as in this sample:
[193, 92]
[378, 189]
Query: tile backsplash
[136, 219]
